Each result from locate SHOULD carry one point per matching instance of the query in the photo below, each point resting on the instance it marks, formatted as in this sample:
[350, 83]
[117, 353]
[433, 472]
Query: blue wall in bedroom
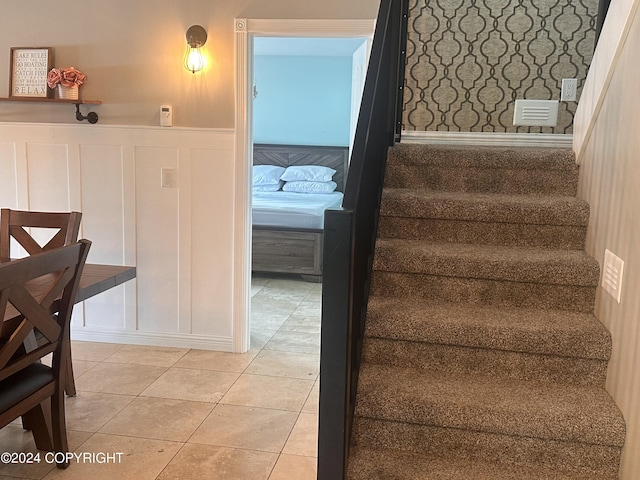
[302, 100]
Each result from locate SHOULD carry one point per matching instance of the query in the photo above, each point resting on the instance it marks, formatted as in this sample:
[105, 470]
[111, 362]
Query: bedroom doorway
[246, 31]
[306, 96]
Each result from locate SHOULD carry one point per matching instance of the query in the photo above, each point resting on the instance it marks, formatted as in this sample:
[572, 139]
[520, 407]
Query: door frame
[245, 30]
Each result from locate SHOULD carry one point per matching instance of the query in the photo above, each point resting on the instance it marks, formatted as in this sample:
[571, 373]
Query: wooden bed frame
[290, 250]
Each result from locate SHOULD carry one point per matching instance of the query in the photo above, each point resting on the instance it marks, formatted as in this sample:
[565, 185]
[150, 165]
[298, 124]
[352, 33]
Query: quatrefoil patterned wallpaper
[469, 60]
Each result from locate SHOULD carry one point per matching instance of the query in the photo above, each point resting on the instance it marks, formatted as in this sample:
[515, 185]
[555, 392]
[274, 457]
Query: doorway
[246, 31]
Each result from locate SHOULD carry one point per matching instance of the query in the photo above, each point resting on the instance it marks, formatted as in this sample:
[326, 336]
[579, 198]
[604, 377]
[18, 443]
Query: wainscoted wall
[179, 238]
[468, 61]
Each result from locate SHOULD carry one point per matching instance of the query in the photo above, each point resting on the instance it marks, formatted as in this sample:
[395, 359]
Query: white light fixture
[193, 58]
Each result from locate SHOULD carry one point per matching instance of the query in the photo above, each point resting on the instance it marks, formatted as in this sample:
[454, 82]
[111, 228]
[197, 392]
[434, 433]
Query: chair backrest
[32, 289]
[65, 226]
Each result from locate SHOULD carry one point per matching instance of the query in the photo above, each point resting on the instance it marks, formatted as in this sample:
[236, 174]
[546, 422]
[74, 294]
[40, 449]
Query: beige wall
[132, 52]
[610, 182]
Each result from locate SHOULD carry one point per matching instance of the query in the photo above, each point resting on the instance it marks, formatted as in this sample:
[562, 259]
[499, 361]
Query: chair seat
[20, 385]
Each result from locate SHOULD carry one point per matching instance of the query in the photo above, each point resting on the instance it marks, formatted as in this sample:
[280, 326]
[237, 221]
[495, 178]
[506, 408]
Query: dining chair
[63, 229]
[31, 289]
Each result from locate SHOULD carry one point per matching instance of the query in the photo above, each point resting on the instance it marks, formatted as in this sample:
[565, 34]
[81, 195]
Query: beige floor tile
[92, 351]
[290, 467]
[286, 364]
[264, 303]
[141, 459]
[159, 418]
[268, 392]
[219, 361]
[289, 287]
[15, 439]
[301, 323]
[252, 428]
[259, 337]
[311, 405]
[219, 463]
[89, 411]
[309, 307]
[81, 367]
[191, 384]
[304, 437]
[268, 321]
[288, 341]
[147, 355]
[118, 378]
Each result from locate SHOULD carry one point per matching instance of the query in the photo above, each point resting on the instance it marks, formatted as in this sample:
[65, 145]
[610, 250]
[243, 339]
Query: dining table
[95, 279]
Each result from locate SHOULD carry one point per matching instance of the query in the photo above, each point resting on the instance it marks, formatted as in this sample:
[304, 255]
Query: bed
[288, 226]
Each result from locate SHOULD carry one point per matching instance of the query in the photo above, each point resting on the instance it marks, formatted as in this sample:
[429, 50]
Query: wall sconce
[193, 58]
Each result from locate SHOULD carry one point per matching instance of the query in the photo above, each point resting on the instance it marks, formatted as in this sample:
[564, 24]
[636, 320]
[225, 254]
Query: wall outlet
[569, 90]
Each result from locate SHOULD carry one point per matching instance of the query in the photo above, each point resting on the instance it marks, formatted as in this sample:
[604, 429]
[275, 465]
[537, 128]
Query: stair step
[528, 344]
[485, 207]
[526, 220]
[383, 464]
[482, 169]
[550, 332]
[493, 405]
[558, 267]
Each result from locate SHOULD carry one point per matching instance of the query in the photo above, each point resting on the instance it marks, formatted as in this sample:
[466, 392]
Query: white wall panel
[8, 181]
[102, 199]
[48, 172]
[212, 207]
[157, 230]
[180, 239]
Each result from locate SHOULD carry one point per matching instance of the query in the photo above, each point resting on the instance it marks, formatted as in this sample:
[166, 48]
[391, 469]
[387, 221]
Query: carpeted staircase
[482, 358]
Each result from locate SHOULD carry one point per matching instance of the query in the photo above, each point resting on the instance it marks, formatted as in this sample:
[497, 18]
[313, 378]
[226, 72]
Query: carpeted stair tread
[515, 264]
[463, 156]
[482, 169]
[599, 461]
[499, 405]
[554, 332]
[485, 207]
[380, 464]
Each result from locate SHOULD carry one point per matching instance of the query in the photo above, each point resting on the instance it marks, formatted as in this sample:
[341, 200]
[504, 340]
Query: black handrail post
[335, 353]
[349, 240]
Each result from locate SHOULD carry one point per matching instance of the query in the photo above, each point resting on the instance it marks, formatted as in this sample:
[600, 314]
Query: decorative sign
[28, 71]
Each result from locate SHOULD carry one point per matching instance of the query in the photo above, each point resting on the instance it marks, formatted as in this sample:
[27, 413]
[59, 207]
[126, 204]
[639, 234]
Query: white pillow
[310, 173]
[267, 174]
[302, 186]
[267, 187]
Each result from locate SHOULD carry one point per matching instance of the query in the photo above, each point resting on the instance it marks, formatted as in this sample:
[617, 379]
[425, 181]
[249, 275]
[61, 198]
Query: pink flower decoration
[67, 77]
[53, 78]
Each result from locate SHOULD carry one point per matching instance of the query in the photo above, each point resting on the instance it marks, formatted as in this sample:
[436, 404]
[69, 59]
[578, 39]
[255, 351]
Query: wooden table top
[95, 279]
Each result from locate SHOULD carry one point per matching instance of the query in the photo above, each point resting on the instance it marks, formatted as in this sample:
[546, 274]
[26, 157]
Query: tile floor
[192, 414]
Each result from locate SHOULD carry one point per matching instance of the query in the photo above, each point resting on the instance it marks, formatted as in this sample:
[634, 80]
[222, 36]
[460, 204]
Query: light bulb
[194, 60]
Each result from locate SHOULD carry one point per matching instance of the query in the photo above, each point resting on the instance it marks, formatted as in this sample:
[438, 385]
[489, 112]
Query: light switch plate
[168, 178]
[612, 274]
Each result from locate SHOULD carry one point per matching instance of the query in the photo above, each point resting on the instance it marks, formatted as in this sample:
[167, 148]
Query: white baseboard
[489, 139]
[199, 342]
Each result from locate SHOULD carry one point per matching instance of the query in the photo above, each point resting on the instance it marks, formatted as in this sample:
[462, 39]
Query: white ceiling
[292, 46]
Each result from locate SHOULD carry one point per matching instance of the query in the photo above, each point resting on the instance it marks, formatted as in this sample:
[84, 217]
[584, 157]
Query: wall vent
[612, 274]
[542, 113]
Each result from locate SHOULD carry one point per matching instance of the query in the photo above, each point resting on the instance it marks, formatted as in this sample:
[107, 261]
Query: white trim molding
[489, 138]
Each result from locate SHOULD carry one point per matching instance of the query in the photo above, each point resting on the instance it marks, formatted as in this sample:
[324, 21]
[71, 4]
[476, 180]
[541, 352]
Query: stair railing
[349, 239]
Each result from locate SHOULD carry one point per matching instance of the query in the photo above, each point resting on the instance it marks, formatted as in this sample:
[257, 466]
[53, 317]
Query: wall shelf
[91, 117]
